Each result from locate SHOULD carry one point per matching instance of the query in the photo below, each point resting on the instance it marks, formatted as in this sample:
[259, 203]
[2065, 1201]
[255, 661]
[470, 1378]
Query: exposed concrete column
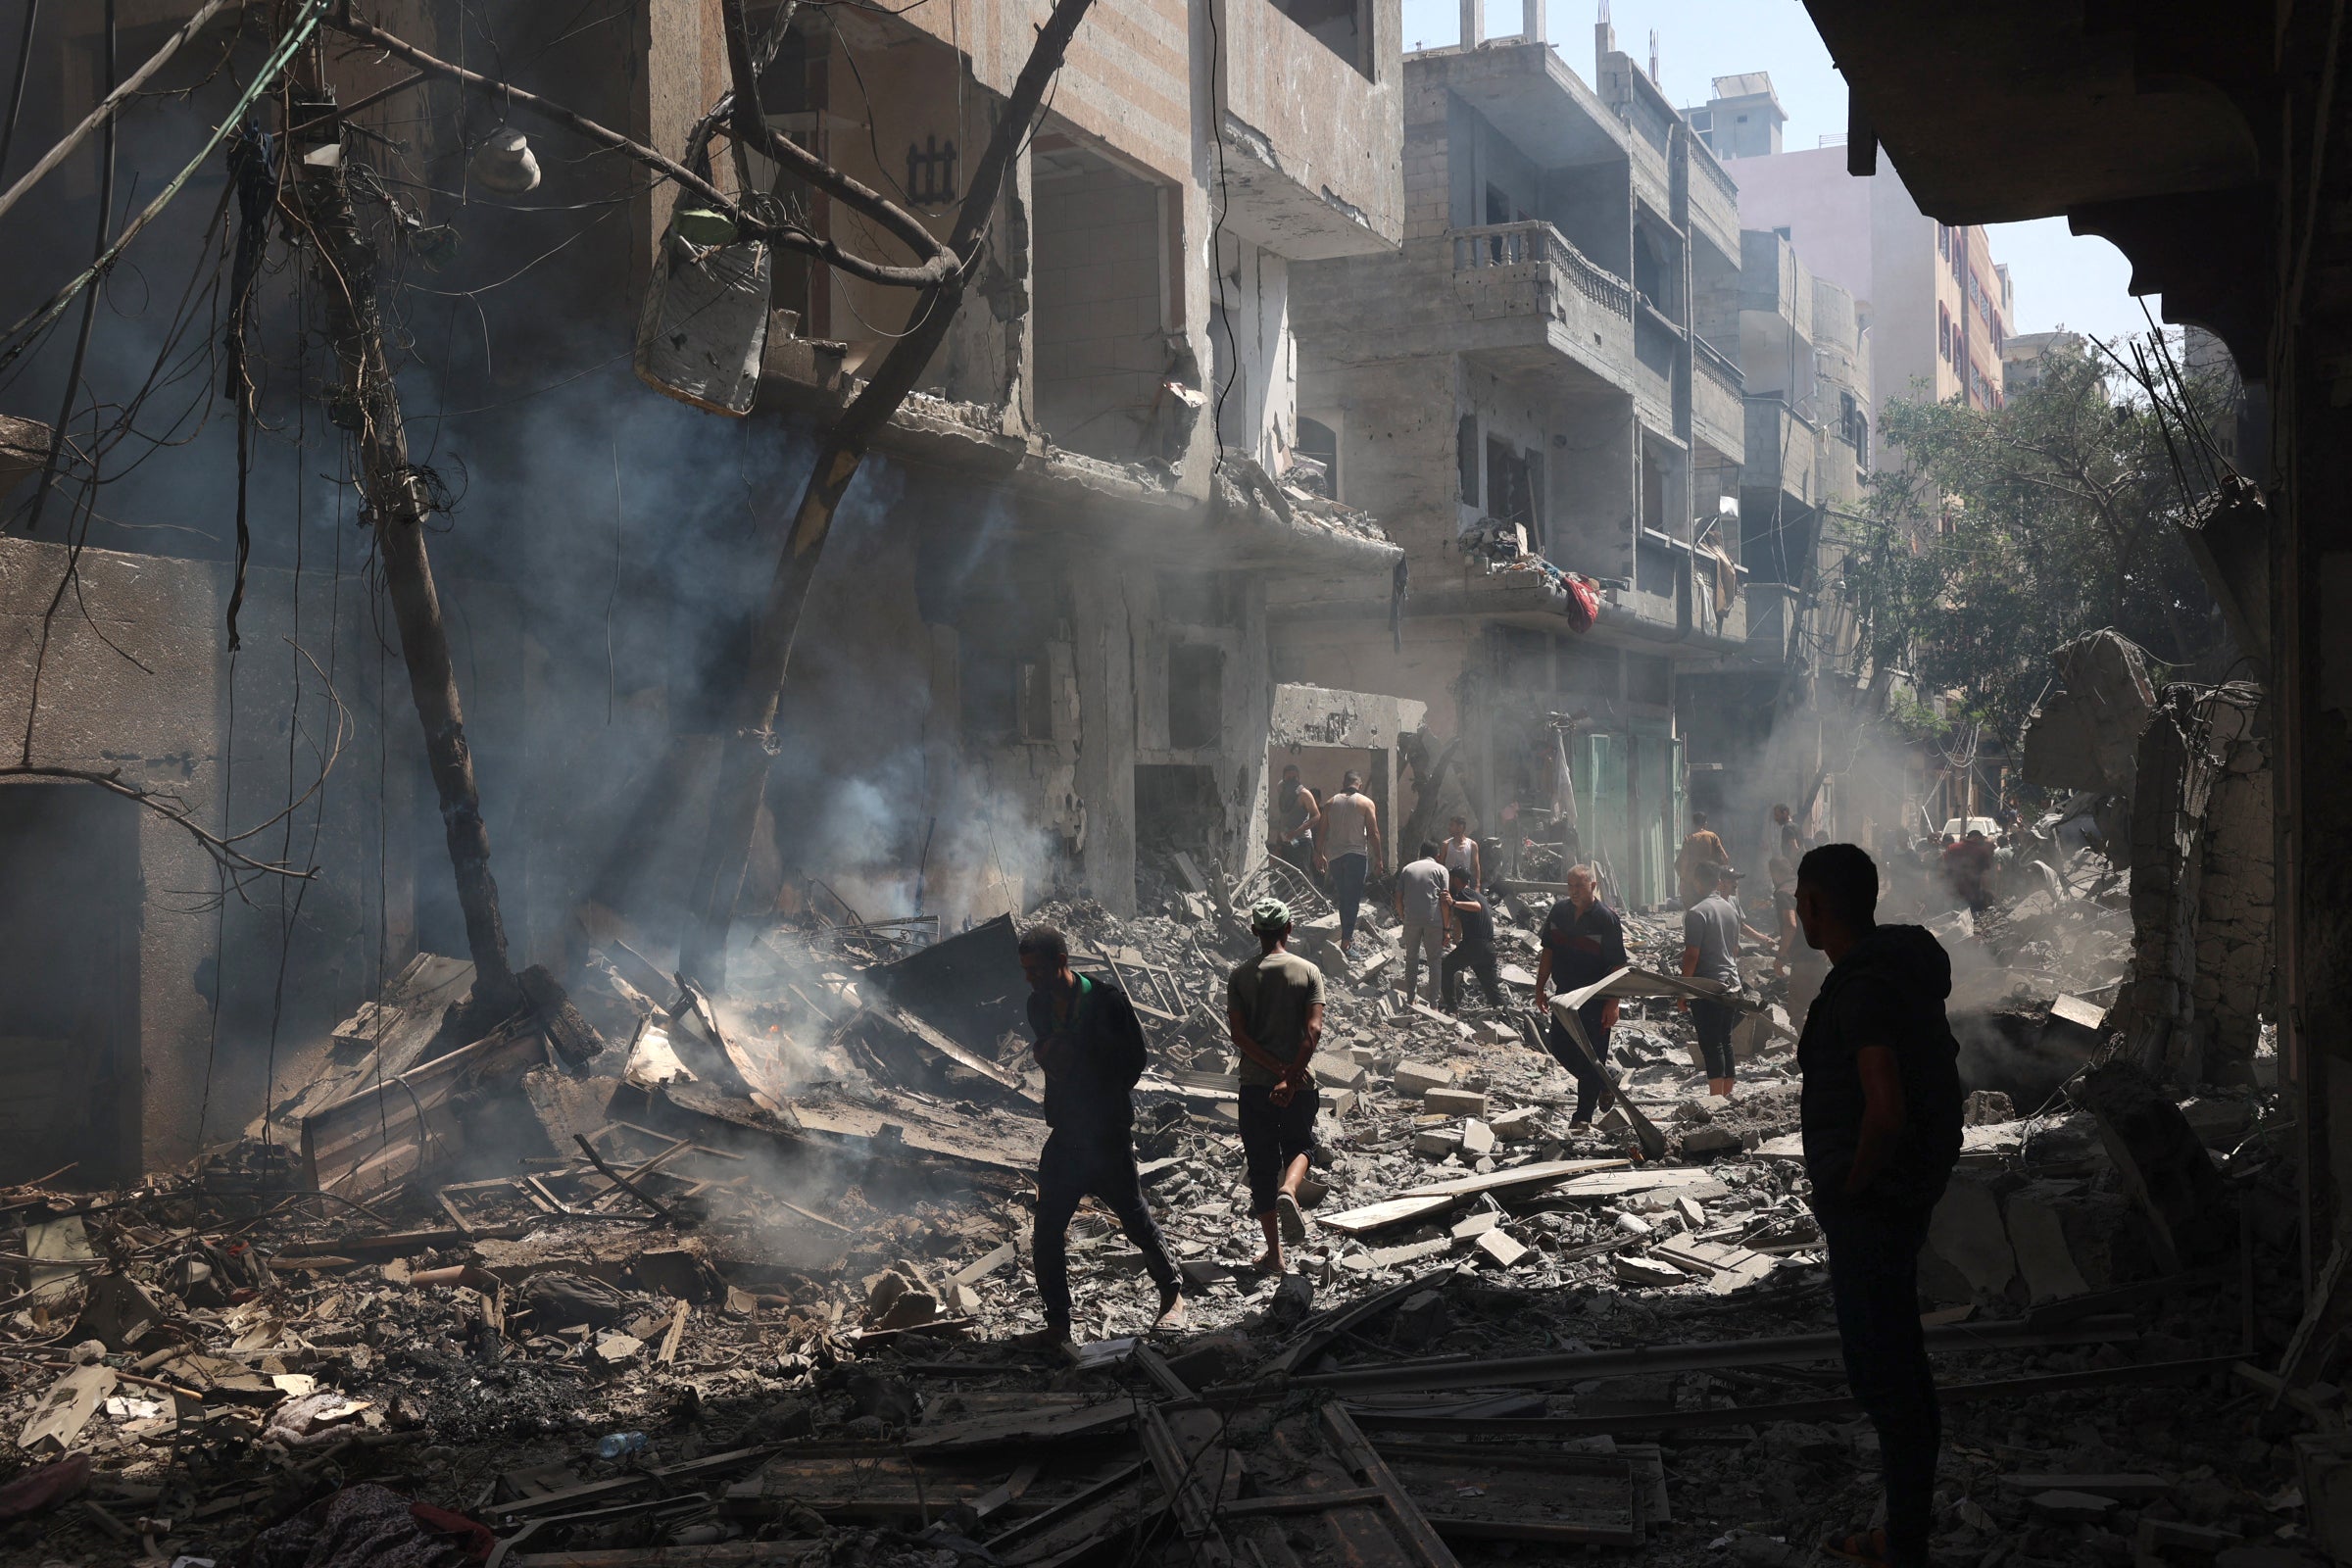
[2235, 950]
[1532, 22]
[1104, 665]
[1474, 22]
[667, 97]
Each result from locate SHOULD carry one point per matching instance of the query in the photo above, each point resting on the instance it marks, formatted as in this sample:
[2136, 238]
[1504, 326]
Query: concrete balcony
[1771, 618]
[1783, 453]
[1313, 129]
[1839, 476]
[1714, 201]
[1539, 298]
[1718, 408]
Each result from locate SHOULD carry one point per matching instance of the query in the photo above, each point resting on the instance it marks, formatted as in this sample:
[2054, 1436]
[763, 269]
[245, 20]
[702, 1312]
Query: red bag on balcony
[1584, 605]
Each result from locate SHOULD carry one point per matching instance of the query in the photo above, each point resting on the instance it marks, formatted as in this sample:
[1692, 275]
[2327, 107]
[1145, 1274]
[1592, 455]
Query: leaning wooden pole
[750, 740]
[396, 505]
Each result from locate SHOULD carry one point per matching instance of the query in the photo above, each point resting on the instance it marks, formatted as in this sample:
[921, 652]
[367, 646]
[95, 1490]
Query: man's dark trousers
[1075, 1165]
[1874, 1284]
[1479, 958]
[1591, 1081]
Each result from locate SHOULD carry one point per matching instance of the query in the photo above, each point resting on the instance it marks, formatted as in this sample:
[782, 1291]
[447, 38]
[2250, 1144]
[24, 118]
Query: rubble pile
[740, 1283]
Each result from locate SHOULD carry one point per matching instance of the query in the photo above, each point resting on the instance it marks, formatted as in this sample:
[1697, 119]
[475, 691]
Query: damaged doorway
[70, 900]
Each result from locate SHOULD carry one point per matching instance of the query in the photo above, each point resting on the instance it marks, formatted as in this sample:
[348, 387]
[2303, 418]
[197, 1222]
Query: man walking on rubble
[1711, 930]
[1420, 901]
[1584, 943]
[1296, 816]
[1274, 1008]
[1347, 846]
[1467, 907]
[1881, 1111]
[1090, 1046]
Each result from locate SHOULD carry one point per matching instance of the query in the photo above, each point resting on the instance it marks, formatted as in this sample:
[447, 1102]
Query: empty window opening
[1318, 444]
[1176, 806]
[1339, 26]
[1103, 350]
[1465, 458]
[1510, 487]
[1196, 697]
[1648, 679]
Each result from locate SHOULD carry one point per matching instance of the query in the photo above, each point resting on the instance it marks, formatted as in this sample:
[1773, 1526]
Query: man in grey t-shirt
[1421, 905]
[1711, 952]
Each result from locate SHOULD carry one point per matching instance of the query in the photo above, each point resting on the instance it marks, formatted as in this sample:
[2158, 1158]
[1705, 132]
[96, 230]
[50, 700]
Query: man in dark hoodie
[1092, 1048]
[1881, 1114]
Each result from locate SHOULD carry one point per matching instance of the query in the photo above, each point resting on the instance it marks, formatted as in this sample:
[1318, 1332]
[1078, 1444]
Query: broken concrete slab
[1518, 1126]
[1969, 1238]
[1415, 1079]
[1455, 1102]
[1499, 1248]
[2162, 1163]
[2038, 1242]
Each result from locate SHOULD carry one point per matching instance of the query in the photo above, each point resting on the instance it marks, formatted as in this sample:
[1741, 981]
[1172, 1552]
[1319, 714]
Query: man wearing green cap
[1274, 1006]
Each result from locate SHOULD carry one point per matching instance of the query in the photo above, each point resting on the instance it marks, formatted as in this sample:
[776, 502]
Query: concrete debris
[792, 1270]
[2083, 736]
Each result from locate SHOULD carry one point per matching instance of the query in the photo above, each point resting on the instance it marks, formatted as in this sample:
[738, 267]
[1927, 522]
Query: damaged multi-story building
[1039, 638]
[1604, 425]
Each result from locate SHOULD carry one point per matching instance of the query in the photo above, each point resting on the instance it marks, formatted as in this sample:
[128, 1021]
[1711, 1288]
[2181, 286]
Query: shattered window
[1510, 495]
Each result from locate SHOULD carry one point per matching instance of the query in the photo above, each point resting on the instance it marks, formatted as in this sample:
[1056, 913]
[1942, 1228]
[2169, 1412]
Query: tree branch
[793, 237]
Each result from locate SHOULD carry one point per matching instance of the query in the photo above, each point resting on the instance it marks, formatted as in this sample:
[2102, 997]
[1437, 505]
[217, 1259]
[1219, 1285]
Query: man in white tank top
[1347, 846]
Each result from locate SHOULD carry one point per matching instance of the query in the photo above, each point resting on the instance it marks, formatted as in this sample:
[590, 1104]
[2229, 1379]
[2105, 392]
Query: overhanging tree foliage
[2008, 531]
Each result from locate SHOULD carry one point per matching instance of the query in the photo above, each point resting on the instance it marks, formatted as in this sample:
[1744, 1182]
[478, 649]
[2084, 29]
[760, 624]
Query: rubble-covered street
[764, 1314]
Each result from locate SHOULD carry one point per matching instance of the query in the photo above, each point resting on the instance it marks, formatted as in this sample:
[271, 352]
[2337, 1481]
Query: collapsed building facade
[1042, 634]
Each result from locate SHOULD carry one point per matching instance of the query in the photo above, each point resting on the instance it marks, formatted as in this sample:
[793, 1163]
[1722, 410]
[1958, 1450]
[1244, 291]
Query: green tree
[2005, 532]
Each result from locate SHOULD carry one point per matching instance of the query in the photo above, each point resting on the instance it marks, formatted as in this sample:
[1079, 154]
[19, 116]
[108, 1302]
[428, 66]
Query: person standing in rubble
[1090, 1046]
[1968, 867]
[1347, 846]
[1462, 851]
[1420, 900]
[1782, 868]
[1584, 943]
[1700, 849]
[1274, 1011]
[1467, 907]
[1296, 816]
[1711, 952]
[1879, 1111]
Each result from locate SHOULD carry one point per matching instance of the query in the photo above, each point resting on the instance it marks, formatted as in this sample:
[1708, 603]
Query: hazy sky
[2083, 284]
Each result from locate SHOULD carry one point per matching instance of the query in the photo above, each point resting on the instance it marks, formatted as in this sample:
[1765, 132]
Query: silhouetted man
[1092, 1048]
[1881, 1117]
[1584, 943]
[1274, 1011]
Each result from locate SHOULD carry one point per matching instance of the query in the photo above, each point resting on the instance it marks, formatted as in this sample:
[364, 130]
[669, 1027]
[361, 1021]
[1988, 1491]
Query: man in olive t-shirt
[1274, 1007]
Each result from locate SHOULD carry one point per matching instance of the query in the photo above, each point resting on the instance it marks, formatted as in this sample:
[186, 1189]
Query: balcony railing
[1716, 366]
[1518, 244]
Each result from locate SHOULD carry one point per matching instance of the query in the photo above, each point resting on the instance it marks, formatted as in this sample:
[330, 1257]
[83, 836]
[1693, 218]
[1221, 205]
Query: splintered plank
[874, 1484]
[1492, 1494]
[1390, 1211]
[1541, 1173]
[1625, 1183]
[1012, 1428]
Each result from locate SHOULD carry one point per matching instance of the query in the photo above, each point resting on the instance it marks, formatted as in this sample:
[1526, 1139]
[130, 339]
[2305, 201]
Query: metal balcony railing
[1535, 241]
